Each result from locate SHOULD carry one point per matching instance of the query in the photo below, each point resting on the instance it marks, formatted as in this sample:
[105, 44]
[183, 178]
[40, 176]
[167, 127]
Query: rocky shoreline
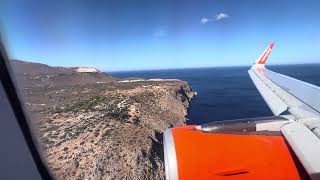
[107, 130]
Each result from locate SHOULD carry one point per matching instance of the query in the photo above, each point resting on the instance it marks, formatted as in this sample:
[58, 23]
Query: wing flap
[308, 93]
[275, 90]
[305, 144]
[274, 102]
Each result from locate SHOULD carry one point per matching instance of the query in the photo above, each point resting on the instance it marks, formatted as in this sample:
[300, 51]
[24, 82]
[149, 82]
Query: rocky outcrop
[109, 130]
[87, 70]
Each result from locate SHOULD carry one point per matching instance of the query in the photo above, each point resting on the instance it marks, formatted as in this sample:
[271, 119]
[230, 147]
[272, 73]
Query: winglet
[263, 58]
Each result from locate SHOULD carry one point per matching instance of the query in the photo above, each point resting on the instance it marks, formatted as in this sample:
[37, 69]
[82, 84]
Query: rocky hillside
[109, 130]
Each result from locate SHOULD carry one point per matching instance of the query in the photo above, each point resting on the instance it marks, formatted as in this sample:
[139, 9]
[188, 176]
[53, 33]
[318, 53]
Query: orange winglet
[229, 156]
[263, 58]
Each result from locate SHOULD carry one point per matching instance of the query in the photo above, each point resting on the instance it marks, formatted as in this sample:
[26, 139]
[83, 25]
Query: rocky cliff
[109, 130]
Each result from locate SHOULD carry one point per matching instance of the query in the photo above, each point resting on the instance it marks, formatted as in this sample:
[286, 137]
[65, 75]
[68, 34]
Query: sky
[160, 34]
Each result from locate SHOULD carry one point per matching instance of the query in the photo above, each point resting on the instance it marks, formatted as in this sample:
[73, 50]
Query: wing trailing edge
[274, 102]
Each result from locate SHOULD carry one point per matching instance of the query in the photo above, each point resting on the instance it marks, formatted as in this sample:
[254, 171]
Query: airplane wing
[283, 93]
[301, 100]
[284, 146]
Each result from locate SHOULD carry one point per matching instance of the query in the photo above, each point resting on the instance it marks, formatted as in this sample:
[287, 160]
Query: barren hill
[109, 130]
[36, 74]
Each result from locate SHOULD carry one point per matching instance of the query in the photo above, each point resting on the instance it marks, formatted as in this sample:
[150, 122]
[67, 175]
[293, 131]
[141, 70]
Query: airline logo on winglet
[263, 58]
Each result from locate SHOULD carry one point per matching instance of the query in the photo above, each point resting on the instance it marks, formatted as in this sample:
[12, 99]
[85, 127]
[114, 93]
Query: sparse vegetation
[81, 105]
[106, 130]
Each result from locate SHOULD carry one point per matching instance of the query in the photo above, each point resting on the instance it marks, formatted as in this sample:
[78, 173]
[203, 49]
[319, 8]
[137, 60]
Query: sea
[225, 93]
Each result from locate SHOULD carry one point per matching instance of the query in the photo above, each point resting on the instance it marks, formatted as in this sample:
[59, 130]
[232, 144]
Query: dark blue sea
[226, 93]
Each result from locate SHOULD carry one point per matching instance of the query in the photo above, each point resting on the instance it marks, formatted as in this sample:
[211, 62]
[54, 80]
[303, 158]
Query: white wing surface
[285, 94]
[299, 100]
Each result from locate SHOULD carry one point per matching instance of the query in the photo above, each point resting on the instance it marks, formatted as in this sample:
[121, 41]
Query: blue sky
[159, 34]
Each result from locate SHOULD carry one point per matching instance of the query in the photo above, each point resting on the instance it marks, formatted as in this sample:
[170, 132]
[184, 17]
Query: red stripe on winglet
[266, 54]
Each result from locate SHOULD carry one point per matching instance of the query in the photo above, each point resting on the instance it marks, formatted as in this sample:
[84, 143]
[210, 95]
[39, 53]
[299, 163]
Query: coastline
[108, 130]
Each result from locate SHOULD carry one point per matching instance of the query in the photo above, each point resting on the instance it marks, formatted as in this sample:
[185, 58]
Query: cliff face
[109, 130]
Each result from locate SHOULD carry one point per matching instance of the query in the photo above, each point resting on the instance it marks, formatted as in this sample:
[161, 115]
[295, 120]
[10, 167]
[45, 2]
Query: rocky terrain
[94, 126]
[41, 75]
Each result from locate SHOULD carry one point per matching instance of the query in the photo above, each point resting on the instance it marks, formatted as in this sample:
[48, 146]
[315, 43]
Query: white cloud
[221, 16]
[204, 20]
[217, 17]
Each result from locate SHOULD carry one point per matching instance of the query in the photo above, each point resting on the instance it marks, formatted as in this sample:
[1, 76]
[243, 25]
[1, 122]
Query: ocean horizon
[225, 93]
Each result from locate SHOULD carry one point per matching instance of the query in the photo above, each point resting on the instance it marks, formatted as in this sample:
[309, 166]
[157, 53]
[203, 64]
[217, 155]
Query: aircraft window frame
[9, 85]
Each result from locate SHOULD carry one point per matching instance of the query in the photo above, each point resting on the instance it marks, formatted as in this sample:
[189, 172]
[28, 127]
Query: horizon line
[204, 67]
[175, 68]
